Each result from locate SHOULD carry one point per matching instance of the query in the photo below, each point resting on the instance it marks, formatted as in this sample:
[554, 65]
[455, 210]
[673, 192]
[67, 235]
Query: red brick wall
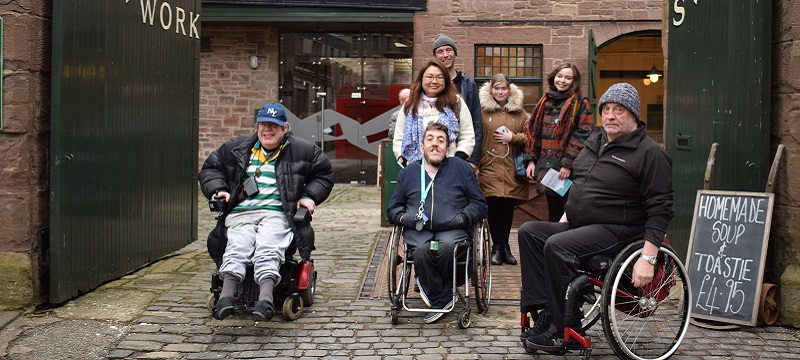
[230, 90]
[24, 141]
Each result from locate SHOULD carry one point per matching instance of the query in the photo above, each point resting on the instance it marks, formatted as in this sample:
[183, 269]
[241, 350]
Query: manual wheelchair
[647, 323]
[472, 266]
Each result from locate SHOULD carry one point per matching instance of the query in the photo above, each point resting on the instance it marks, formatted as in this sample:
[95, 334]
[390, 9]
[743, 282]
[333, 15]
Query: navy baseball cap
[273, 113]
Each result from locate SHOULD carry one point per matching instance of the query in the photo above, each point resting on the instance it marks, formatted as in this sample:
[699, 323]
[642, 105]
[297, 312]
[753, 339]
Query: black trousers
[500, 217]
[550, 254]
[435, 271]
[555, 206]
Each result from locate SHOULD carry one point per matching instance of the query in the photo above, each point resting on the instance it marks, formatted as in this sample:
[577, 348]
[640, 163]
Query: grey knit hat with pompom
[624, 94]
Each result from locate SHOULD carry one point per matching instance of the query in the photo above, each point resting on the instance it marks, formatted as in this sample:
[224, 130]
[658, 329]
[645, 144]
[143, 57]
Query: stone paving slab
[172, 321]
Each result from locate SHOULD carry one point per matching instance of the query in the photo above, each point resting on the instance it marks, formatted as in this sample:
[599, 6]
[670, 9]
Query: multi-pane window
[522, 63]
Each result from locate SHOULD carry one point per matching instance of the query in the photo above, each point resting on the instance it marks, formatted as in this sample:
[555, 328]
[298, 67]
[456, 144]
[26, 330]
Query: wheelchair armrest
[301, 215]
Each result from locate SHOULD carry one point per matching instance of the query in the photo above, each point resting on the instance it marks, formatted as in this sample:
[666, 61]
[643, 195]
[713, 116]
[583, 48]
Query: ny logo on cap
[272, 112]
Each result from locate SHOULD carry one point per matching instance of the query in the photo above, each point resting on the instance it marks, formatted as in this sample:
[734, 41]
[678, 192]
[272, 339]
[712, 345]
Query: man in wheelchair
[622, 192]
[437, 200]
[263, 179]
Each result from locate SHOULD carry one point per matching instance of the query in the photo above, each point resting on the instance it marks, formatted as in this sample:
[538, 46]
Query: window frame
[504, 66]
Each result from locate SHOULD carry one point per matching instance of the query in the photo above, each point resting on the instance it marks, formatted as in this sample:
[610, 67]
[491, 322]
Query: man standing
[403, 96]
[445, 50]
[437, 200]
[622, 192]
[264, 178]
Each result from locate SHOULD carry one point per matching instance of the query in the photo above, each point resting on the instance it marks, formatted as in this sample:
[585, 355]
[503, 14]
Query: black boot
[496, 256]
[506, 255]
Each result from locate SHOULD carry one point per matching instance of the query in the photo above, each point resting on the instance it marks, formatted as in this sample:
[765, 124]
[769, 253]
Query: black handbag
[519, 165]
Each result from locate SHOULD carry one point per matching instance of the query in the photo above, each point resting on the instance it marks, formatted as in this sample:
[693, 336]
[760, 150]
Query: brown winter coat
[496, 176]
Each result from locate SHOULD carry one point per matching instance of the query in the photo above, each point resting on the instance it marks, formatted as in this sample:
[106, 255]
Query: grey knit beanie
[442, 40]
[624, 94]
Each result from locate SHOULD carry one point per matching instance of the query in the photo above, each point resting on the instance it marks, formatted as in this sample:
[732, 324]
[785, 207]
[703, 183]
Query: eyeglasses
[617, 110]
[431, 78]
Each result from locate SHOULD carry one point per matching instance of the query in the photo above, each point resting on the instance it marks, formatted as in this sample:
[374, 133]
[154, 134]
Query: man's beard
[433, 162]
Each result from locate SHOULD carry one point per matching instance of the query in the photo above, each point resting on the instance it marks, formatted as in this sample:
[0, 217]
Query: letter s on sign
[678, 10]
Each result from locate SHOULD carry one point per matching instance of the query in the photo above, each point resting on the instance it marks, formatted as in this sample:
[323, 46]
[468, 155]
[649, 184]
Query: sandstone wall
[230, 91]
[24, 141]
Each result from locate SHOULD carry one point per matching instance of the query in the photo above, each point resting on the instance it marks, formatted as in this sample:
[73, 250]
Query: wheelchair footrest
[574, 341]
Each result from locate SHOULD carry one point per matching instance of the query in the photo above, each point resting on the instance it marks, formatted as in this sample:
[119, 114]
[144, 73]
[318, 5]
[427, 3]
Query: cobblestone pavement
[160, 312]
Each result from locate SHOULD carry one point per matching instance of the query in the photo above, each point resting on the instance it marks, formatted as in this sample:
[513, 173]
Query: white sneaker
[433, 316]
[422, 294]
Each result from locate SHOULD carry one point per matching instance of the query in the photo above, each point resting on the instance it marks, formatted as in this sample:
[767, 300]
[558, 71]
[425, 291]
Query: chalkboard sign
[727, 249]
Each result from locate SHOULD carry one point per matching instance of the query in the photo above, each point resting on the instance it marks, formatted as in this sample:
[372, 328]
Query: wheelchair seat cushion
[597, 264]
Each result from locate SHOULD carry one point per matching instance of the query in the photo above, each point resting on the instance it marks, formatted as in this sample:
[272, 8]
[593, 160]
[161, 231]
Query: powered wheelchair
[295, 291]
[472, 265]
[646, 323]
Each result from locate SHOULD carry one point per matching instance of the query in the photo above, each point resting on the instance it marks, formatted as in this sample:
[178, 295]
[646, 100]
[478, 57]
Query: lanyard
[424, 189]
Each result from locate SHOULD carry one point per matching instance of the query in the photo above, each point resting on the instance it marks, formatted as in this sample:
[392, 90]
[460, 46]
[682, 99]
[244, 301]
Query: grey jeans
[260, 237]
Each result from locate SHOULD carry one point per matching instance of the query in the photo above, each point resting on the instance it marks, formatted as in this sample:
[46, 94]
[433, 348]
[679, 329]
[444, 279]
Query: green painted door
[123, 147]
[718, 90]
[594, 74]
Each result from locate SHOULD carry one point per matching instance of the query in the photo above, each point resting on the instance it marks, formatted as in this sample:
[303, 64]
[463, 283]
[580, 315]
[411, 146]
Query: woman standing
[557, 131]
[503, 118]
[433, 98]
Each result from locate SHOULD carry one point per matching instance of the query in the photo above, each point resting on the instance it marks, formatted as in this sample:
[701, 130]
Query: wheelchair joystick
[216, 203]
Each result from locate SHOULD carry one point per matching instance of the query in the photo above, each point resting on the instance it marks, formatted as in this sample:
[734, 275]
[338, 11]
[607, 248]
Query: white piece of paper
[551, 180]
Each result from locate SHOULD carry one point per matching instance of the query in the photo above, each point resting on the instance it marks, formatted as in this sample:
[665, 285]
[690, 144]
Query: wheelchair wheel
[464, 320]
[392, 273]
[593, 312]
[649, 322]
[482, 266]
[210, 301]
[308, 294]
[292, 307]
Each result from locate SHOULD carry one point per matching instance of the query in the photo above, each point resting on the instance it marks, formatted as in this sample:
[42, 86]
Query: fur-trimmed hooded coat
[496, 176]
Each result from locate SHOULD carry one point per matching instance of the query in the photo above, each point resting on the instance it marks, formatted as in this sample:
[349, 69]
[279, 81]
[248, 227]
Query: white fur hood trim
[514, 104]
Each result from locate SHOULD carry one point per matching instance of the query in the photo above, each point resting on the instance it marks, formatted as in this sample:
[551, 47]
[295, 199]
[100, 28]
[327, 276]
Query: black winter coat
[469, 92]
[302, 169]
[455, 200]
[626, 182]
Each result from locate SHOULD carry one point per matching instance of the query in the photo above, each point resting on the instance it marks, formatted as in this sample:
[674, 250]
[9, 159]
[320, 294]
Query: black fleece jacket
[628, 182]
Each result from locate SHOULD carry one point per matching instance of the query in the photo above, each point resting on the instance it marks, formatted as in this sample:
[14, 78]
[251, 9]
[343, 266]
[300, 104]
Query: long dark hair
[572, 102]
[576, 78]
[446, 99]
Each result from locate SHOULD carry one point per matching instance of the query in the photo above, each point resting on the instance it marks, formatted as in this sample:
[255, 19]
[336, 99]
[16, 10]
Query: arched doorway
[631, 58]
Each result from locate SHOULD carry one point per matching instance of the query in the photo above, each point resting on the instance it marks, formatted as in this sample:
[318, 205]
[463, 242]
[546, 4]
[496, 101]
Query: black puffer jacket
[627, 182]
[302, 169]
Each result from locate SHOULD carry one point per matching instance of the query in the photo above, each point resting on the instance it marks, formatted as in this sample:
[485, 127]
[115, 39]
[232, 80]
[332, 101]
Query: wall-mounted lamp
[253, 62]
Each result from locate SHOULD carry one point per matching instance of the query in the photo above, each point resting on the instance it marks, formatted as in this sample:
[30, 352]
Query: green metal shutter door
[123, 139]
[718, 90]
